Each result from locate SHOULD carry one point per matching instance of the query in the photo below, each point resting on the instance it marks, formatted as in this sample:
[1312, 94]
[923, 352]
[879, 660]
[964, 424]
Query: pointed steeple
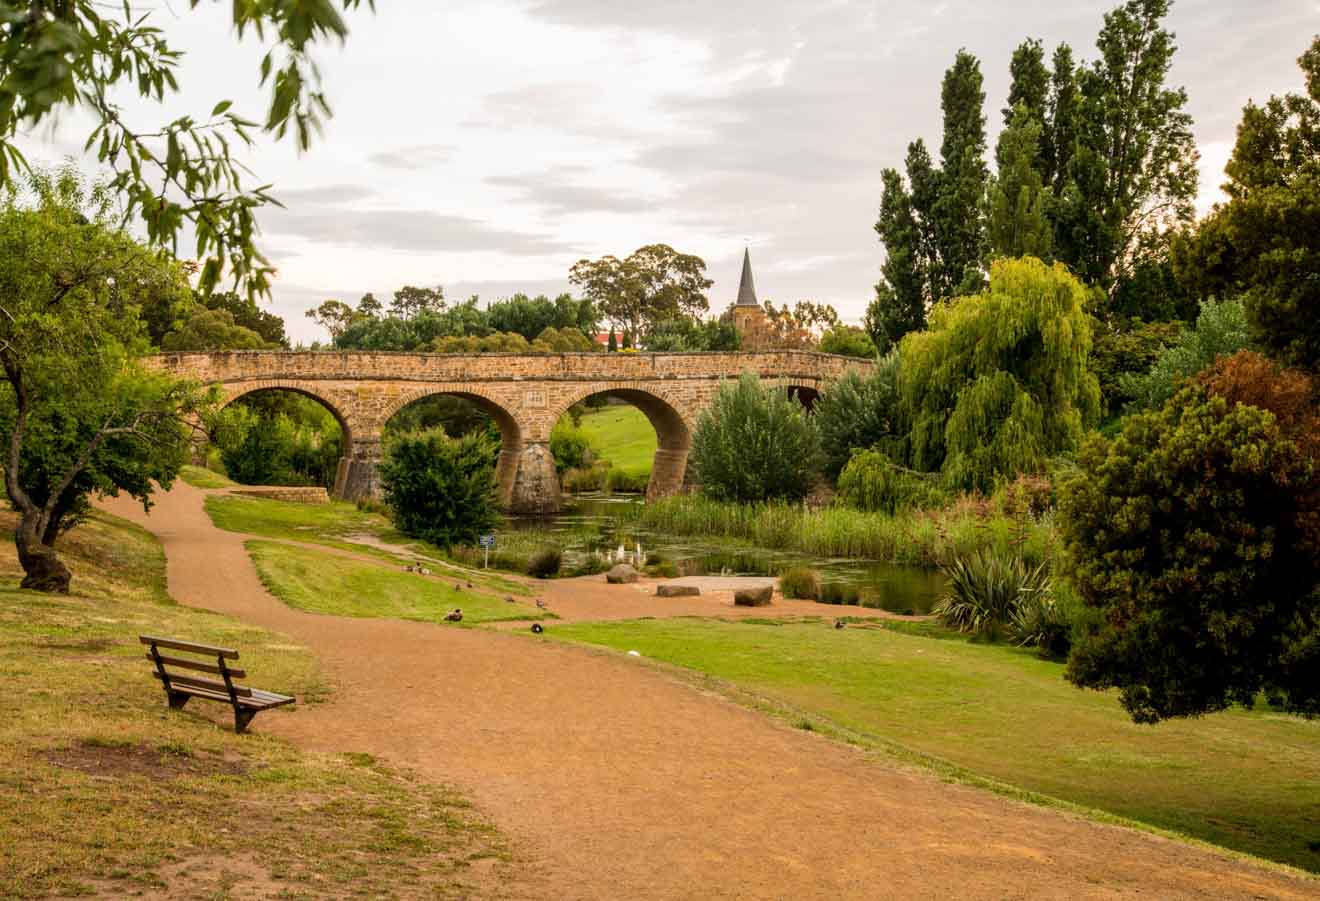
[747, 290]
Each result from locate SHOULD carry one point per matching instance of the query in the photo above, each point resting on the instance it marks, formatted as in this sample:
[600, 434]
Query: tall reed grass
[928, 538]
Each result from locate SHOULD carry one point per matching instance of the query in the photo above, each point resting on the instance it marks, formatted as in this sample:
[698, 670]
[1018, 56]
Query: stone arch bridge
[525, 394]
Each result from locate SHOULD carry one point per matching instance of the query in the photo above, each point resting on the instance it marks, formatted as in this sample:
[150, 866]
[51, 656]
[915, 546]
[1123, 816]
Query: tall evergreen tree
[1134, 172]
[1030, 81]
[1017, 223]
[959, 225]
[900, 296]
[1060, 119]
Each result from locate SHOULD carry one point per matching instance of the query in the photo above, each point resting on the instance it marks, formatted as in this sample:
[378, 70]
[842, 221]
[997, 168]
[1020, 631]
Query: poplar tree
[959, 225]
[1030, 84]
[900, 296]
[1061, 119]
[1133, 176]
[1017, 223]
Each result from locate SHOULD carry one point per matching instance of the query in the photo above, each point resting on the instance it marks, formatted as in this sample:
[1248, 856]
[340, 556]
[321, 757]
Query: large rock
[676, 591]
[754, 597]
[621, 574]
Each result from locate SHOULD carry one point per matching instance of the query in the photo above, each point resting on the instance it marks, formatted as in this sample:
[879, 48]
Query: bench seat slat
[209, 684]
[266, 700]
[175, 644]
[198, 665]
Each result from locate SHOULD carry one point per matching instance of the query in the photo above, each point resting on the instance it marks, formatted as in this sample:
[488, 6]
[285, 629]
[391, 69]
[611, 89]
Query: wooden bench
[247, 702]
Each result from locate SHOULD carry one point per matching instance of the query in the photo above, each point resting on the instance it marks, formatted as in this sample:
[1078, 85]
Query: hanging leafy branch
[61, 54]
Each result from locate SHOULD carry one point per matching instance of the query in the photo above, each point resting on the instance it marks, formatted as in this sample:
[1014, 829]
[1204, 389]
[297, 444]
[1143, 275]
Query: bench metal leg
[241, 719]
[177, 699]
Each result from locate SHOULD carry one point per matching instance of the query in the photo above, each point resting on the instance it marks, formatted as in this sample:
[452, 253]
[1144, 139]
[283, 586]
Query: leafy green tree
[369, 307]
[959, 224]
[1018, 223]
[563, 340]
[1134, 170]
[212, 330]
[902, 294]
[78, 415]
[754, 443]
[652, 284]
[688, 333]
[1264, 243]
[247, 314]
[410, 302]
[1061, 120]
[1030, 84]
[178, 178]
[334, 316]
[531, 316]
[441, 489]
[1000, 382]
[1123, 352]
[614, 344]
[857, 413]
[1221, 331]
[848, 340]
[1194, 538]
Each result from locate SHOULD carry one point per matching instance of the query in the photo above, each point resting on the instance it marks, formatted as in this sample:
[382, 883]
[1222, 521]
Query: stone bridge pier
[524, 394]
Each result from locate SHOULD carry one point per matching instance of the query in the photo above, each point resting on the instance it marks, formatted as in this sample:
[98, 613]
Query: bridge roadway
[525, 394]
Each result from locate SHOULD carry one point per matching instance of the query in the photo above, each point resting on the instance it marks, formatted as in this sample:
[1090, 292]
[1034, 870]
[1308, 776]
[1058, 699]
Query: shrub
[1194, 538]
[1000, 382]
[857, 413]
[872, 482]
[440, 489]
[374, 505]
[591, 565]
[1221, 331]
[1026, 496]
[848, 340]
[545, 563]
[665, 569]
[986, 590]
[840, 593]
[592, 479]
[800, 582]
[1041, 622]
[624, 482]
[754, 442]
[1123, 352]
[569, 446]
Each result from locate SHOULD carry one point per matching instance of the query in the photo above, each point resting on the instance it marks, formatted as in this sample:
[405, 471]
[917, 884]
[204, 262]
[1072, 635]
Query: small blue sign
[487, 540]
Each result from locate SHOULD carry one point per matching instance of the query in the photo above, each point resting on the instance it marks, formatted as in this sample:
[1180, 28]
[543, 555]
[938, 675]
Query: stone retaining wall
[296, 495]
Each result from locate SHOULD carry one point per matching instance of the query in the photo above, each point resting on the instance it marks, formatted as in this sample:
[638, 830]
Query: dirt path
[615, 781]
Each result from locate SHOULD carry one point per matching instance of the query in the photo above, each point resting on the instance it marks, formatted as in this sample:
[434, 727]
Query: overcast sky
[487, 146]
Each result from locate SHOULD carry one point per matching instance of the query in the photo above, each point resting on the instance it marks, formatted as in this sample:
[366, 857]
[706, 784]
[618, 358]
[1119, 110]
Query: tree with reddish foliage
[1194, 539]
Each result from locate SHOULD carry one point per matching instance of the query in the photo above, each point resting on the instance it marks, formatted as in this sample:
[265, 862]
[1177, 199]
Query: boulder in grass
[676, 591]
[753, 597]
[622, 574]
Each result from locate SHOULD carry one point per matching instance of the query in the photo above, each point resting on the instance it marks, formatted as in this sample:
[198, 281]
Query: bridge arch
[672, 420]
[512, 444]
[232, 392]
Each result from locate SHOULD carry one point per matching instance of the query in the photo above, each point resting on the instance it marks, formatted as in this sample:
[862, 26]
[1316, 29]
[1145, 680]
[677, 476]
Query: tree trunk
[42, 568]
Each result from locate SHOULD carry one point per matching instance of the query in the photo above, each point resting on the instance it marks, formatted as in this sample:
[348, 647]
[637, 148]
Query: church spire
[747, 290]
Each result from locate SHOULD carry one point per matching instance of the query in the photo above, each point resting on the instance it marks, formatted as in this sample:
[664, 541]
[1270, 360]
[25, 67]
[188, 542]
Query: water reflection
[598, 524]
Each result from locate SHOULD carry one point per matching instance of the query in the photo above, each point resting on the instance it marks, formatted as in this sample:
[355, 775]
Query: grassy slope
[323, 583]
[328, 524]
[621, 434]
[1248, 781]
[103, 788]
[198, 477]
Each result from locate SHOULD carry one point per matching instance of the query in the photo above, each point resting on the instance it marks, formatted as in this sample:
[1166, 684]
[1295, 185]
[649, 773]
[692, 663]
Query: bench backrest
[164, 653]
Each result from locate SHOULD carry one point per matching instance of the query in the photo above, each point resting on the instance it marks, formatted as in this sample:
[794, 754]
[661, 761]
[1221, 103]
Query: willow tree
[999, 382]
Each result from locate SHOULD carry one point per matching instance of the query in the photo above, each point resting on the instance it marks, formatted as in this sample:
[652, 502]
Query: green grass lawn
[328, 524]
[621, 434]
[323, 583]
[1245, 780]
[198, 477]
[104, 790]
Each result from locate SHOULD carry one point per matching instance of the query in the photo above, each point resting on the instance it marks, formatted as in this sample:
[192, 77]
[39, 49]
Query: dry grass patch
[104, 790]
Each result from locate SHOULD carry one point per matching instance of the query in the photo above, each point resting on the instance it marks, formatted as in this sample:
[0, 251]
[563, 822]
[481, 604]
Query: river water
[591, 523]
